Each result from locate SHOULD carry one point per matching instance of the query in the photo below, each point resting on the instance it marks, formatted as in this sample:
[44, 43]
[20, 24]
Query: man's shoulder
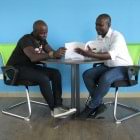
[117, 36]
[117, 33]
[26, 36]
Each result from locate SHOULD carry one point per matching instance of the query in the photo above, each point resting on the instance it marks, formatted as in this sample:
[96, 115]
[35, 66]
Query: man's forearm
[101, 56]
[39, 57]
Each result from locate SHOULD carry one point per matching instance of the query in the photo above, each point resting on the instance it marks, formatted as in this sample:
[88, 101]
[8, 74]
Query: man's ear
[109, 24]
[34, 31]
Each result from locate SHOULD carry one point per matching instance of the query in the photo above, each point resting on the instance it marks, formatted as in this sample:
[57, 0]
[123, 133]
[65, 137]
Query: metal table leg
[75, 89]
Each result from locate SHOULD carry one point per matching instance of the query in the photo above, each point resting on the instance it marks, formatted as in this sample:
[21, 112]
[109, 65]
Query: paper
[94, 45]
[70, 52]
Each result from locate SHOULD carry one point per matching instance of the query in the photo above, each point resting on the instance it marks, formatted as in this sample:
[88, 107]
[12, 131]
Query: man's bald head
[38, 23]
[40, 29]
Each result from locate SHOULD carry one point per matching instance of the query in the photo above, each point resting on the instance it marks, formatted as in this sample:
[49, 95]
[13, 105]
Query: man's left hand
[87, 53]
[60, 52]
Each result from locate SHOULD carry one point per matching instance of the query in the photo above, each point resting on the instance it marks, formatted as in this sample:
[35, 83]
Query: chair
[9, 77]
[134, 50]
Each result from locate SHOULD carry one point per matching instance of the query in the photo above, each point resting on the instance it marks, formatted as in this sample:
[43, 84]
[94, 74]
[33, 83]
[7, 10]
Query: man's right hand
[60, 52]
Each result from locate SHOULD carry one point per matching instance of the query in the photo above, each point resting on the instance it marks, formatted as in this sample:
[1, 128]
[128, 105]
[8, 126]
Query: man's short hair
[105, 16]
[38, 22]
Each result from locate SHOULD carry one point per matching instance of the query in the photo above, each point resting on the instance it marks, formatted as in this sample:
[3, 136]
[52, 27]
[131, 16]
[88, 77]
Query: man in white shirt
[113, 50]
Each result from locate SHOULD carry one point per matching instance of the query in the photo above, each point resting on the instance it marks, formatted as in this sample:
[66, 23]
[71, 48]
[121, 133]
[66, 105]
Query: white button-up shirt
[114, 43]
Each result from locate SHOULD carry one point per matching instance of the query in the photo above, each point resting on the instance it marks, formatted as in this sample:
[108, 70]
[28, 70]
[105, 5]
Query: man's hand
[59, 53]
[87, 53]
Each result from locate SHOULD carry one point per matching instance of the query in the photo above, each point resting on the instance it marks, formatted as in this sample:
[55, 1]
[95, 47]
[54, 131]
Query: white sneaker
[59, 112]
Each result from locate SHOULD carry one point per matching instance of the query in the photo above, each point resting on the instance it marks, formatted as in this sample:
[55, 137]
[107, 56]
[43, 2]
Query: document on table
[71, 54]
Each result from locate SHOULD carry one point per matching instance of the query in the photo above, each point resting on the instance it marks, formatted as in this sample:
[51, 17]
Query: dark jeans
[98, 81]
[48, 79]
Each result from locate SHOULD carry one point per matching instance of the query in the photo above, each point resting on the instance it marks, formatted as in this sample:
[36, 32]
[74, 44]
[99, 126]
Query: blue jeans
[98, 81]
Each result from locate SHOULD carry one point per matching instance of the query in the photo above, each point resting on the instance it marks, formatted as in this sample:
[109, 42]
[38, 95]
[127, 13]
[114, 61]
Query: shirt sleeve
[115, 47]
[25, 42]
[113, 52]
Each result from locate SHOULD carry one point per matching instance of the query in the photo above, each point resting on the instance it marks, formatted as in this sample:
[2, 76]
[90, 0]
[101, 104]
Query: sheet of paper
[70, 53]
[94, 45]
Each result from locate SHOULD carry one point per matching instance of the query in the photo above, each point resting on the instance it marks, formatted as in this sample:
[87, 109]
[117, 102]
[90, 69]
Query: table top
[72, 61]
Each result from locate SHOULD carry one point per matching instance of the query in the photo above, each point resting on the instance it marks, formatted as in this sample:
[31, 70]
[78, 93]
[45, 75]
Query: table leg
[75, 89]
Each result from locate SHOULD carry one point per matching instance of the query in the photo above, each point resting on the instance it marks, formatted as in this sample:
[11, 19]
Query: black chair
[130, 81]
[10, 74]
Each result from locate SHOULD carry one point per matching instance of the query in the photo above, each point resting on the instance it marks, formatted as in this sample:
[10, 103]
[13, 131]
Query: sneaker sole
[70, 112]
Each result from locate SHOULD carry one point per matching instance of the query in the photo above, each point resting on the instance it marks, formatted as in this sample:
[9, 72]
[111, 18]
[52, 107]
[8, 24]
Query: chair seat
[124, 83]
[26, 83]
[22, 83]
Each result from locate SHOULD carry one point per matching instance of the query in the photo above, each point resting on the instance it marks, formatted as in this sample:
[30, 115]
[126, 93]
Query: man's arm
[33, 56]
[37, 57]
[92, 54]
[47, 48]
[101, 56]
[54, 54]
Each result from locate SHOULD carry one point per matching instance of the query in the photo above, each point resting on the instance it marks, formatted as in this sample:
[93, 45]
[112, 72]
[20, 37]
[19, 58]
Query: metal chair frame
[8, 80]
[116, 104]
[29, 101]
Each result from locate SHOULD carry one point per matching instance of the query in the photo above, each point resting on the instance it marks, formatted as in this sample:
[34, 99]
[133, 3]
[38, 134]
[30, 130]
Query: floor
[43, 127]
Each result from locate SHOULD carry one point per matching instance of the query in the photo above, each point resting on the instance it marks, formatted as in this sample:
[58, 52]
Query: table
[75, 79]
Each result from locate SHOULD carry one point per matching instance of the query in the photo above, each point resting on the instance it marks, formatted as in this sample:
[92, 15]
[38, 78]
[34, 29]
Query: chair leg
[27, 118]
[116, 103]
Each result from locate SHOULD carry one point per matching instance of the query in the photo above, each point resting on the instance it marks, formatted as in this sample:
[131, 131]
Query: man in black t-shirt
[30, 50]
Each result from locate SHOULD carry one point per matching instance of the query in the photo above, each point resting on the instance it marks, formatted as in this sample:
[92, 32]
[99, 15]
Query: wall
[68, 20]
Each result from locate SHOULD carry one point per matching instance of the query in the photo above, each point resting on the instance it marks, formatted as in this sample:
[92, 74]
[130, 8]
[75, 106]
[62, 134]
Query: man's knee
[88, 74]
[56, 74]
[44, 79]
[85, 75]
[105, 79]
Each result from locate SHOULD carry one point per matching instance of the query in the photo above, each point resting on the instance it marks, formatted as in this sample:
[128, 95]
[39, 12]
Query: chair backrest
[134, 50]
[5, 51]
[9, 72]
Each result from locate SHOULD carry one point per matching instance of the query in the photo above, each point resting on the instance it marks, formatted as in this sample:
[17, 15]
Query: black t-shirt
[18, 57]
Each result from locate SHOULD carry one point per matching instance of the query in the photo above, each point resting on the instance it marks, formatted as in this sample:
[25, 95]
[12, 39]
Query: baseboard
[68, 95]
